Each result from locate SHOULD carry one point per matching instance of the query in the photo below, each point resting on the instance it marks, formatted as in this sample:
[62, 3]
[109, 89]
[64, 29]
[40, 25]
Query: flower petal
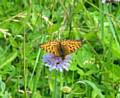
[55, 62]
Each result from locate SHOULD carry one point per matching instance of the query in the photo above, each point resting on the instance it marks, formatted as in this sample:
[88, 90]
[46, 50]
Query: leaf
[96, 91]
[7, 59]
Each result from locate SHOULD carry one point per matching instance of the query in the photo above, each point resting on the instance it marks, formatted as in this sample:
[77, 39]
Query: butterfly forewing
[51, 47]
[70, 46]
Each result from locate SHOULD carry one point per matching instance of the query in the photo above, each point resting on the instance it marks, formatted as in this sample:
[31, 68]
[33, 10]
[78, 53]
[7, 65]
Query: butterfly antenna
[83, 40]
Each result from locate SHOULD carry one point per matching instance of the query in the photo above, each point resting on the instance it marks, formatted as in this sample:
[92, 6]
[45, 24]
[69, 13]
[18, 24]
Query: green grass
[95, 68]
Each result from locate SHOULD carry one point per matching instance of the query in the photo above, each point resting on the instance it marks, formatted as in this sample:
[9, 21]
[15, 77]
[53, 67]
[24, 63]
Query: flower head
[55, 62]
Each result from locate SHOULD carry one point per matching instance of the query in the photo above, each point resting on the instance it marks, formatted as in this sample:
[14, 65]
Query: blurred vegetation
[95, 68]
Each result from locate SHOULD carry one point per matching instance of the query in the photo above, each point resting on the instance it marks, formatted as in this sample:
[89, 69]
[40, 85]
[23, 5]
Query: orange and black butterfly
[61, 48]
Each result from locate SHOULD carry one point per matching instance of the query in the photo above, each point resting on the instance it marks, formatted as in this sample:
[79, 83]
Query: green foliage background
[95, 68]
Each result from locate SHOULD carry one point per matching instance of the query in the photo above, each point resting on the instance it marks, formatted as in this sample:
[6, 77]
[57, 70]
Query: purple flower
[55, 62]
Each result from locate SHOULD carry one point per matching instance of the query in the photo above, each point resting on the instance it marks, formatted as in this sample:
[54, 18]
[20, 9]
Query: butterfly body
[61, 48]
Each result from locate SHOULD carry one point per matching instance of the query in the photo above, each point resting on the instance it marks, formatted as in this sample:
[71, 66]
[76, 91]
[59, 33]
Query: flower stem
[55, 85]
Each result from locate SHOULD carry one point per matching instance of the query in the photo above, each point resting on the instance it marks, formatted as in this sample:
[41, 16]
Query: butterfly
[61, 48]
